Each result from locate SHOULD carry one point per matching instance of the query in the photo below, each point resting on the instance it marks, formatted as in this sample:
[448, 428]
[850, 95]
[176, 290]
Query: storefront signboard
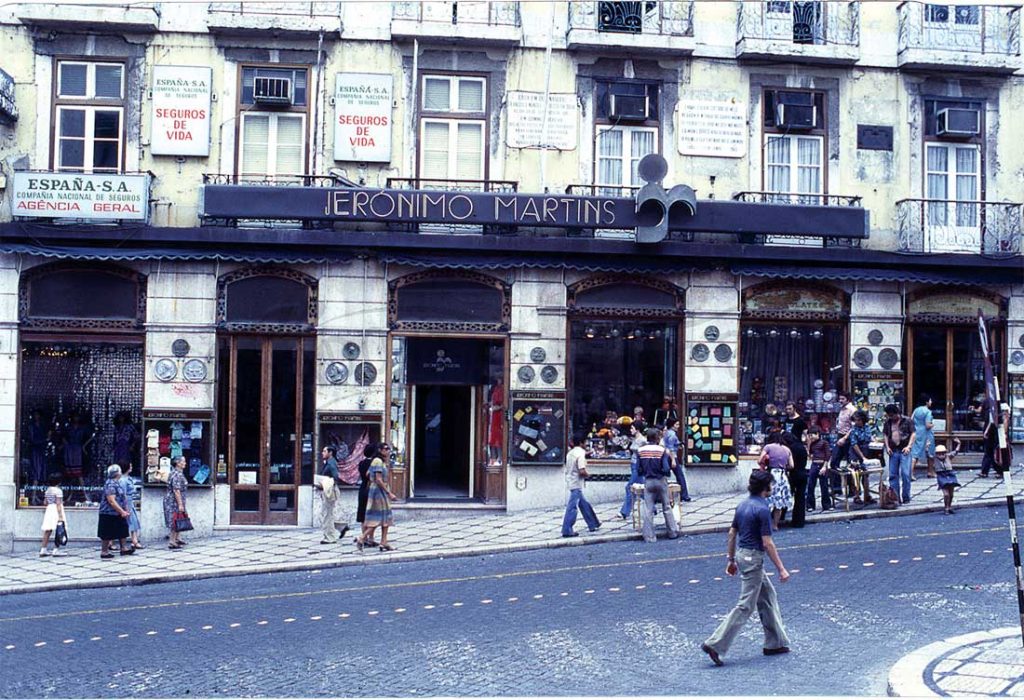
[8, 108]
[538, 428]
[713, 125]
[952, 305]
[526, 120]
[873, 391]
[450, 361]
[348, 434]
[711, 432]
[793, 300]
[362, 117]
[80, 196]
[181, 111]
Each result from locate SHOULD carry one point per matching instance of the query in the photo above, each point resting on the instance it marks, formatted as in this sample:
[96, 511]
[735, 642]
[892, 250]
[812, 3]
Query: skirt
[133, 521]
[50, 518]
[947, 478]
[781, 497]
[378, 508]
[111, 527]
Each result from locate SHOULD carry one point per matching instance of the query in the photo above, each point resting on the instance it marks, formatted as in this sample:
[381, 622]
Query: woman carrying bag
[175, 515]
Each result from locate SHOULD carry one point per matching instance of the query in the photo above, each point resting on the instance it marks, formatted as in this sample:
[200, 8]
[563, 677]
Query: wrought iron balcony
[484, 22]
[603, 190]
[958, 226]
[282, 18]
[981, 38]
[276, 180]
[427, 183]
[820, 200]
[665, 26]
[808, 32]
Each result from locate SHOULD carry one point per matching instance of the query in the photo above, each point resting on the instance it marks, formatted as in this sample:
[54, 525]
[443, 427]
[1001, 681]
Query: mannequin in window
[39, 434]
[77, 437]
[126, 440]
[495, 423]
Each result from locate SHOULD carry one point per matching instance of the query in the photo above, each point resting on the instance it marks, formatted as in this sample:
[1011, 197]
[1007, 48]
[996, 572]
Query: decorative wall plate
[700, 352]
[863, 358]
[1020, 340]
[538, 355]
[526, 374]
[350, 351]
[875, 337]
[888, 358]
[549, 374]
[165, 369]
[336, 372]
[723, 353]
[180, 347]
[1017, 358]
[711, 333]
[194, 370]
[365, 373]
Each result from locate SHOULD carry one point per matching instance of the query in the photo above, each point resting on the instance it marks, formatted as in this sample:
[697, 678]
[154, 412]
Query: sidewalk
[980, 663]
[299, 549]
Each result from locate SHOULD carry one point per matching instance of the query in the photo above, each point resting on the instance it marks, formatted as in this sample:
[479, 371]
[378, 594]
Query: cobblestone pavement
[236, 553]
[625, 618]
[986, 663]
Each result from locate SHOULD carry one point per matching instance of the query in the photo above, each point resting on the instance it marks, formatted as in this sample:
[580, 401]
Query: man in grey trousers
[654, 465]
[752, 523]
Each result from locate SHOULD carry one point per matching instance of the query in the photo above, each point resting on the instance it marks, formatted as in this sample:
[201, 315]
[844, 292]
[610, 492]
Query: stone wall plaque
[723, 353]
[875, 337]
[700, 352]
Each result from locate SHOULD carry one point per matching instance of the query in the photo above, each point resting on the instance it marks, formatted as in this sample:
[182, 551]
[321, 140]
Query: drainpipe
[414, 107]
[544, 117]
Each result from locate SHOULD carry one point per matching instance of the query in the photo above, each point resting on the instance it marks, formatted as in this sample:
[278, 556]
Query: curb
[906, 677]
[402, 557]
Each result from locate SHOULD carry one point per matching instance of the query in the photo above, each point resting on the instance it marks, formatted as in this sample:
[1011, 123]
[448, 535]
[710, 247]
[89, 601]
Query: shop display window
[780, 363]
[170, 434]
[80, 411]
[621, 370]
[349, 434]
[1016, 401]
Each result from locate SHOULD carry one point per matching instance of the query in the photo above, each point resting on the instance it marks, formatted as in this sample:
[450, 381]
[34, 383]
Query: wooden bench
[849, 471]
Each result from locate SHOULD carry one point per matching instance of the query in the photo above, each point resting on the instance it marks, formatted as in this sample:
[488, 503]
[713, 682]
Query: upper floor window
[794, 143]
[89, 116]
[453, 123]
[627, 129]
[273, 121]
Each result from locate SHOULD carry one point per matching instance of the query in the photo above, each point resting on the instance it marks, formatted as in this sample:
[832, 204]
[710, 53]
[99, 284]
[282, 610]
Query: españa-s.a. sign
[181, 111]
[362, 117]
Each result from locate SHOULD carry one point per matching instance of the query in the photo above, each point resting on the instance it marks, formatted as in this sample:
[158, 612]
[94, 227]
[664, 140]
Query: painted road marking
[207, 627]
[486, 601]
[289, 619]
[95, 639]
[123, 635]
[235, 624]
[564, 593]
[614, 589]
[869, 563]
[9, 647]
[40, 644]
[69, 641]
[641, 587]
[316, 617]
[343, 615]
[694, 580]
[894, 561]
[940, 556]
[399, 610]
[151, 633]
[916, 559]
[263, 622]
[843, 566]
[538, 596]
[373, 612]
[819, 568]
[429, 607]
[179, 630]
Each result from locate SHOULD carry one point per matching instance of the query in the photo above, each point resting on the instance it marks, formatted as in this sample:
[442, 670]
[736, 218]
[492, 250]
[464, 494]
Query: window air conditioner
[958, 122]
[630, 107]
[276, 91]
[795, 110]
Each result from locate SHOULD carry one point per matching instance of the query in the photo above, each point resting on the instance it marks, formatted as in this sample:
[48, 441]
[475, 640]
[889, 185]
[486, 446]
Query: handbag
[60, 535]
[181, 522]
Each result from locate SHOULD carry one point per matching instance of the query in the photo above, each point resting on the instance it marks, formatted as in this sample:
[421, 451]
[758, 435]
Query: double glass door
[267, 393]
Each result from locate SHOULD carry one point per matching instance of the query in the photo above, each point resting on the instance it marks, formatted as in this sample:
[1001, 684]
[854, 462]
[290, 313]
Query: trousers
[656, 491]
[330, 497]
[756, 591]
[578, 501]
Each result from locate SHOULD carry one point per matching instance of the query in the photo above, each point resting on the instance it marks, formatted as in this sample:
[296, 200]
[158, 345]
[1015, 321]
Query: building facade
[238, 232]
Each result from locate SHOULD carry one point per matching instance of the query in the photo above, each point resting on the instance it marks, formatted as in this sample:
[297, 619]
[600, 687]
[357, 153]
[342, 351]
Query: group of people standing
[374, 500]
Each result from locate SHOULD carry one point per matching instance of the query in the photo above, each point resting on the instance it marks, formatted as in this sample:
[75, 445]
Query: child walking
[54, 514]
[944, 474]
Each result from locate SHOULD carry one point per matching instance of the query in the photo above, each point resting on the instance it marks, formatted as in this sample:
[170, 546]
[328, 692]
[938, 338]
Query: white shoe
[58, 553]
[43, 552]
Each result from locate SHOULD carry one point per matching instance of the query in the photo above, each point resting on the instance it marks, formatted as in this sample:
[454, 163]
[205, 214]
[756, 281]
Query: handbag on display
[60, 535]
[181, 522]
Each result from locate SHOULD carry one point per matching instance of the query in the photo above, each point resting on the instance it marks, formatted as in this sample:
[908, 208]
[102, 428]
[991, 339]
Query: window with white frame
[89, 117]
[272, 144]
[453, 119]
[953, 183]
[618, 151]
[793, 165]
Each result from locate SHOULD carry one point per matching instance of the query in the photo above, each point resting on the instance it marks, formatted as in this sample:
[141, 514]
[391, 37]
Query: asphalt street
[609, 619]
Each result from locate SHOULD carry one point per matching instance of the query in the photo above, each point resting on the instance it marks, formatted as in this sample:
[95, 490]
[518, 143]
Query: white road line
[95, 639]
[179, 630]
[589, 591]
[614, 589]
[343, 615]
[123, 636]
[486, 601]
[40, 644]
[373, 612]
[207, 627]
[538, 596]
[718, 578]
[940, 556]
[399, 610]
[9, 647]
[69, 641]
[235, 624]
[869, 563]
[289, 619]
[915, 559]
[964, 554]
[151, 633]
[564, 593]
[641, 587]
[429, 607]
[667, 583]
[316, 617]
[987, 551]
[694, 580]
[459, 605]
[263, 622]
[894, 561]
[794, 571]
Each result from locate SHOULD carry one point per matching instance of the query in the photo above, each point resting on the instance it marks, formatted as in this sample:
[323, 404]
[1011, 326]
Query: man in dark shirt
[654, 465]
[794, 422]
[330, 493]
[899, 435]
[752, 525]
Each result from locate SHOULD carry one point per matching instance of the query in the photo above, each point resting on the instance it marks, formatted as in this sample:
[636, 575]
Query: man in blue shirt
[670, 441]
[752, 524]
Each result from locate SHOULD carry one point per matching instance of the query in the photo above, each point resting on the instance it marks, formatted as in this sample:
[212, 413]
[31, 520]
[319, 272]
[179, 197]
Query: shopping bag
[60, 535]
[181, 522]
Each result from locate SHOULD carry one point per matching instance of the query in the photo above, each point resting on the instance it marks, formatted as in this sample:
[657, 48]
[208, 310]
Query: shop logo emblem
[442, 363]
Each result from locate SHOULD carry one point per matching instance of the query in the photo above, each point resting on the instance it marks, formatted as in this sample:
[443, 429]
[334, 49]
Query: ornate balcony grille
[958, 226]
[283, 9]
[666, 17]
[821, 200]
[277, 180]
[816, 23]
[975, 29]
[422, 183]
[496, 13]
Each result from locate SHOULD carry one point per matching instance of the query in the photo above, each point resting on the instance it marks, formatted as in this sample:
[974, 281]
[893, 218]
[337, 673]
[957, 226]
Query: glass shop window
[267, 299]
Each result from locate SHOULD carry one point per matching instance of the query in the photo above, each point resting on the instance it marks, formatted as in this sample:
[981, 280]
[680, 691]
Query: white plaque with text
[526, 120]
[362, 117]
[76, 196]
[712, 126]
[181, 111]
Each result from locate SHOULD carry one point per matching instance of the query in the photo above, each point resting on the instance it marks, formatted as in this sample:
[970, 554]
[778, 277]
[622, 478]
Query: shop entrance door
[443, 441]
[269, 416]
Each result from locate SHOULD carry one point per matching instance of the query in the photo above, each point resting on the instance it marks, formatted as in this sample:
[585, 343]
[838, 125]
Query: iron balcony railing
[603, 190]
[664, 17]
[277, 180]
[492, 13]
[820, 200]
[282, 9]
[426, 183]
[974, 29]
[816, 23]
[958, 226]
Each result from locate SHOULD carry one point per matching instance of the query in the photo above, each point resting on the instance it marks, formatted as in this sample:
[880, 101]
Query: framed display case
[348, 434]
[1016, 401]
[711, 432]
[538, 427]
[872, 391]
[170, 433]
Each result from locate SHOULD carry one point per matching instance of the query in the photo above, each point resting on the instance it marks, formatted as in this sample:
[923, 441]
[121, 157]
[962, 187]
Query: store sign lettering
[181, 110]
[74, 196]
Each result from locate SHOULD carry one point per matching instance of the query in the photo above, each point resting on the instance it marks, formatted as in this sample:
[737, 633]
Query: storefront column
[876, 328]
[712, 320]
[8, 395]
[181, 307]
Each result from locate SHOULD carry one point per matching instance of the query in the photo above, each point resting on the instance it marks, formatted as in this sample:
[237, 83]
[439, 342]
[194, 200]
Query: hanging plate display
[1020, 340]
[526, 374]
[700, 352]
[180, 347]
[888, 358]
[549, 374]
[336, 373]
[875, 337]
[863, 358]
[365, 373]
[711, 333]
[194, 371]
[165, 369]
[538, 355]
[723, 353]
[1017, 358]
[350, 351]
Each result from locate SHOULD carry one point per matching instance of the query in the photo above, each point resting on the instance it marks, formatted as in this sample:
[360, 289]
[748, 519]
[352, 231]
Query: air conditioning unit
[630, 107]
[274, 91]
[958, 122]
[795, 110]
